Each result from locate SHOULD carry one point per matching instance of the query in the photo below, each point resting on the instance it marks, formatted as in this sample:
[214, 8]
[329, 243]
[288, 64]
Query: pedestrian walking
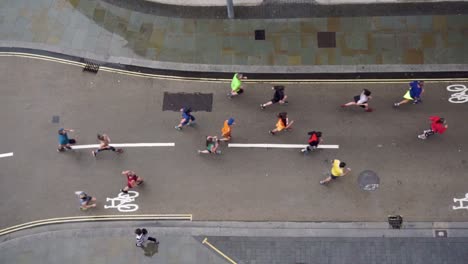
[227, 129]
[64, 142]
[187, 118]
[142, 236]
[212, 144]
[132, 180]
[283, 123]
[104, 142]
[337, 170]
[414, 93]
[438, 125]
[86, 201]
[278, 97]
[361, 100]
[236, 85]
[314, 140]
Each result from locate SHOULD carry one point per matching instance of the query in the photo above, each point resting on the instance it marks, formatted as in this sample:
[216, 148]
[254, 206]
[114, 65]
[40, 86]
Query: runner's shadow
[151, 249]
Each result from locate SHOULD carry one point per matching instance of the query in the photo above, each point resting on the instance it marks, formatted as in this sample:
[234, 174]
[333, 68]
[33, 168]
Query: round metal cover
[368, 180]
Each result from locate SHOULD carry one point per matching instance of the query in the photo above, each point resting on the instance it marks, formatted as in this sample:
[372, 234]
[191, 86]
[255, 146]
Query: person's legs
[153, 239]
[262, 106]
[326, 180]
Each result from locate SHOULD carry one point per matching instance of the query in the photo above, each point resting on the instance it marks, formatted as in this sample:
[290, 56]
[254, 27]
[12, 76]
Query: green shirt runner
[236, 83]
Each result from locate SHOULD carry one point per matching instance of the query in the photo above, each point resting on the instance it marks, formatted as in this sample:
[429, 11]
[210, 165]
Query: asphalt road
[419, 179]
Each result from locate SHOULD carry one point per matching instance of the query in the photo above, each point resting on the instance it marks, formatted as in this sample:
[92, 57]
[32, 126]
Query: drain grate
[91, 67]
[326, 39]
[260, 34]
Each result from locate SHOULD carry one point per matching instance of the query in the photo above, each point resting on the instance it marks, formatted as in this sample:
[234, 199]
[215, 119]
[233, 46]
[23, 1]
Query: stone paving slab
[103, 30]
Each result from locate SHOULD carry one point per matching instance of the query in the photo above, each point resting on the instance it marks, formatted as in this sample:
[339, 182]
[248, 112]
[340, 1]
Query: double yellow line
[219, 80]
[96, 218]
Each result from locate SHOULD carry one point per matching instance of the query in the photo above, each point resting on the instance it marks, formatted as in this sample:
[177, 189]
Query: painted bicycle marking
[371, 187]
[461, 202]
[123, 202]
[460, 95]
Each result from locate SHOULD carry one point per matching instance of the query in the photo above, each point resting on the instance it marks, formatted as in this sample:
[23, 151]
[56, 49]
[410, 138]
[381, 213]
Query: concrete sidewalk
[260, 243]
[107, 32]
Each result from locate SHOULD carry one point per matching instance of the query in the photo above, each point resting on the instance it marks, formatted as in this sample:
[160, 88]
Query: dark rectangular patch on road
[326, 39]
[55, 119]
[197, 101]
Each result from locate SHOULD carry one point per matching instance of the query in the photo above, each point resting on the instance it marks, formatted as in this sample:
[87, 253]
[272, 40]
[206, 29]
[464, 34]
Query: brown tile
[427, 40]
[307, 27]
[334, 24]
[439, 23]
[294, 60]
[413, 56]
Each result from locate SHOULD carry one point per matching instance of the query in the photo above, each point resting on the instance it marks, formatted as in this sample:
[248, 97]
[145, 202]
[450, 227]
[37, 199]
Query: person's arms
[347, 170]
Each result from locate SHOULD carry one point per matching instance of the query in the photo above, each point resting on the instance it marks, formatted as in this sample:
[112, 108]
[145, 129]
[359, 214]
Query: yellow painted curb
[205, 241]
[221, 80]
[74, 219]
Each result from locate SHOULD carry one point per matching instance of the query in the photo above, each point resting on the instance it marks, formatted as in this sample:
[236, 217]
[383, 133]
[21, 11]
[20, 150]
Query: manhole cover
[196, 101]
[368, 180]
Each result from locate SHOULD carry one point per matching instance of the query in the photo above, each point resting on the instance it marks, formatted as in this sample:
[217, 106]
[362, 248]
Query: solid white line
[236, 145]
[126, 145]
[4, 155]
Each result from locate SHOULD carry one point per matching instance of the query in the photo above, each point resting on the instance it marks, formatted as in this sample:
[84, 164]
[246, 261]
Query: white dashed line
[126, 145]
[236, 145]
[4, 155]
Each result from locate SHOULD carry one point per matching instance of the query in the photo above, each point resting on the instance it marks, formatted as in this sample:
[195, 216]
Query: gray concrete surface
[418, 179]
[243, 242]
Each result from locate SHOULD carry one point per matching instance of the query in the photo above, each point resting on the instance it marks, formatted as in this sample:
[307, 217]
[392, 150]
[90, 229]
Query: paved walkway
[104, 31]
[259, 243]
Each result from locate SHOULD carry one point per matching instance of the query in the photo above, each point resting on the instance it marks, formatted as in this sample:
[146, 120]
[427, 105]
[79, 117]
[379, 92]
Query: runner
[64, 142]
[226, 130]
[337, 170]
[86, 201]
[132, 180]
[142, 236]
[361, 100]
[187, 118]
[104, 142]
[278, 97]
[282, 124]
[438, 125]
[211, 146]
[236, 85]
[314, 140]
[414, 93]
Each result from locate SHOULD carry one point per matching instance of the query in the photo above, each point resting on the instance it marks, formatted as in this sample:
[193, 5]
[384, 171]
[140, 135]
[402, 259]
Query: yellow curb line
[74, 219]
[205, 241]
[220, 80]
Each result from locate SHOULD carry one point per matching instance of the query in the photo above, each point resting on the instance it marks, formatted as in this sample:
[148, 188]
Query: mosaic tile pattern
[103, 29]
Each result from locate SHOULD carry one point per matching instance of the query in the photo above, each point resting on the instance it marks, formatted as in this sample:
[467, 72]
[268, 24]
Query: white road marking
[459, 97]
[462, 203]
[122, 202]
[237, 145]
[4, 155]
[126, 145]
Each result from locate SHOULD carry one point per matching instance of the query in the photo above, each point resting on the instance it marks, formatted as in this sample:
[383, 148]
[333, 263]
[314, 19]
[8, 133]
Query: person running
[414, 93]
[282, 124]
[226, 129]
[132, 180]
[86, 201]
[104, 142]
[278, 97]
[337, 170]
[64, 142]
[361, 100]
[142, 236]
[212, 144]
[187, 118]
[438, 125]
[236, 85]
[314, 140]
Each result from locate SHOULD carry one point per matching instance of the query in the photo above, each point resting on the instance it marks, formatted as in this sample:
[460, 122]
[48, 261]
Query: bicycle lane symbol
[460, 95]
[123, 202]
